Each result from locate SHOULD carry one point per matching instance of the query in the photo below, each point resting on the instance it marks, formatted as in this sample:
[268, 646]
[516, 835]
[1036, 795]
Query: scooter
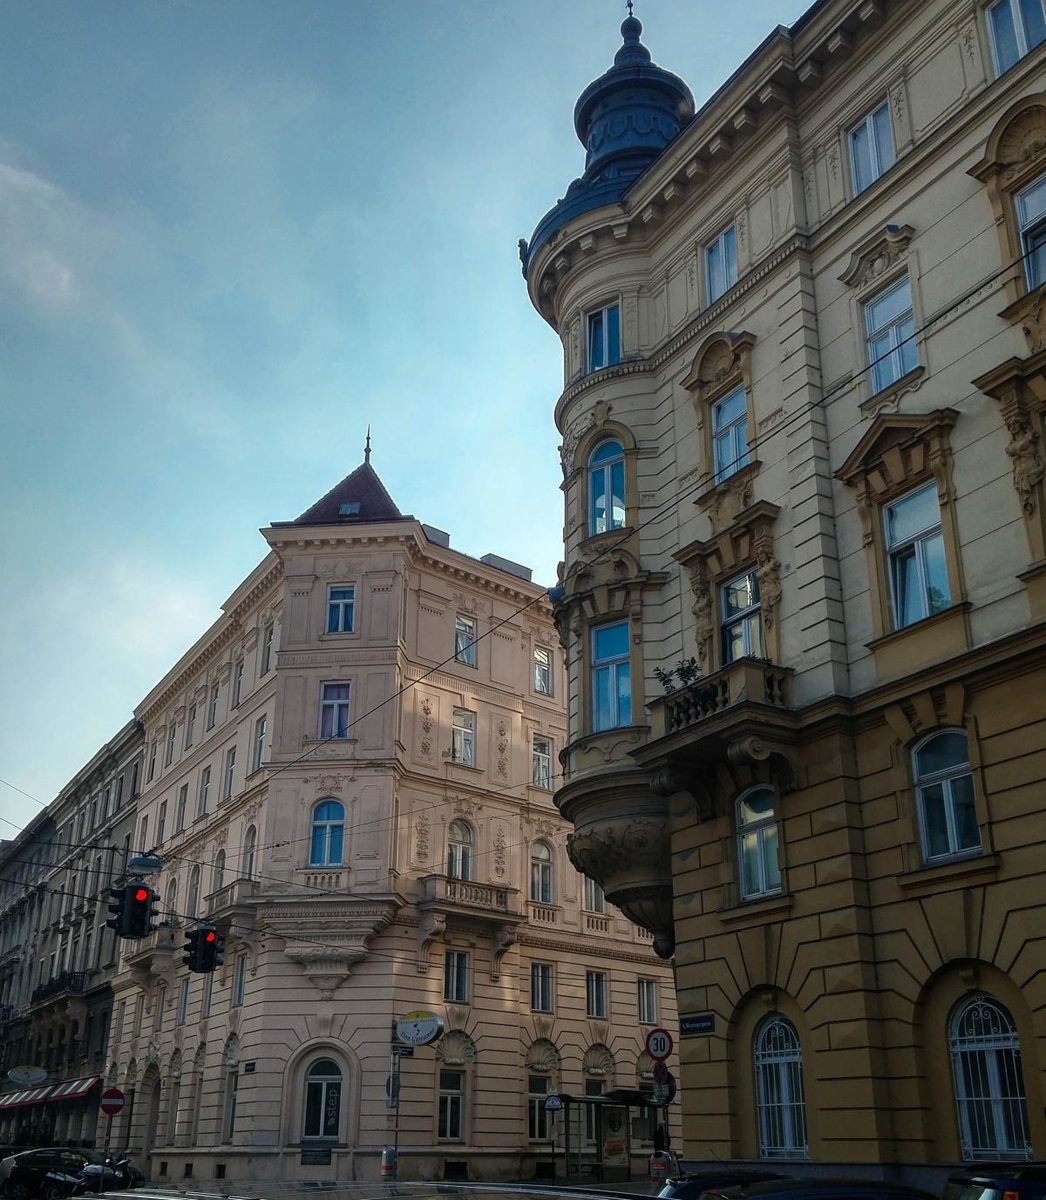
[115, 1174]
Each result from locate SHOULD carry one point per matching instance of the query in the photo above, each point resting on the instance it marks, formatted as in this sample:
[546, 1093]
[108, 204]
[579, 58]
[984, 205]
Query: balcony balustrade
[465, 897]
[750, 680]
[66, 983]
[231, 900]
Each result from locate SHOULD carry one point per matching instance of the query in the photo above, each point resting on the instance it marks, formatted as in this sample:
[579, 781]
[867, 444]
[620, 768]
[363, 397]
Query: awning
[22, 1099]
[74, 1089]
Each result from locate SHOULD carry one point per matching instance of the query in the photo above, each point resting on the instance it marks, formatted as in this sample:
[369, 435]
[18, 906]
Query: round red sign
[111, 1101]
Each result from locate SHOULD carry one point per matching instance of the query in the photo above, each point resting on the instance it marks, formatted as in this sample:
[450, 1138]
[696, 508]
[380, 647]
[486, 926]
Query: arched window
[218, 878]
[944, 791]
[459, 850]
[606, 488]
[193, 898]
[989, 1081]
[541, 873]
[250, 844]
[322, 1100]
[328, 833]
[757, 843]
[172, 899]
[779, 1089]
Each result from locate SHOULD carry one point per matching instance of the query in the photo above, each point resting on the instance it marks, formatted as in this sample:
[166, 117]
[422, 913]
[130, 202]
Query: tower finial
[628, 5]
[366, 448]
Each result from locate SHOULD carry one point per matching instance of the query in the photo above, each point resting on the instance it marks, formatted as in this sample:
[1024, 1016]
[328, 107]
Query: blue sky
[232, 233]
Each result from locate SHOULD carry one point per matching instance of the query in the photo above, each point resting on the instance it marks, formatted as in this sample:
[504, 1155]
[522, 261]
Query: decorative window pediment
[877, 256]
[720, 385]
[722, 361]
[899, 451]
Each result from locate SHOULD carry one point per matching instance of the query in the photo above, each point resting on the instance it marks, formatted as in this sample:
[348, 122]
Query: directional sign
[111, 1101]
[659, 1044]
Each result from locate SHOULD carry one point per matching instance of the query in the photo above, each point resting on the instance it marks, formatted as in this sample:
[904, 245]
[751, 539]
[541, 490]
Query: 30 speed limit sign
[659, 1044]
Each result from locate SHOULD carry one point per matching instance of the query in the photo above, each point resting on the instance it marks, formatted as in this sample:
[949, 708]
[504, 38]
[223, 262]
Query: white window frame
[902, 355]
[730, 440]
[334, 710]
[646, 1001]
[324, 1084]
[725, 245]
[341, 608]
[168, 754]
[151, 773]
[947, 779]
[780, 1099]
[465, 640]
[605, 464]
[450, 1117]
[161, 823]
[456, 976]
[204, 793]
[542, 671]
[612, 665]
[917, 547]
[190, 726]
[542, 991]
[1020, 34]
[237, 683]
[249, 852]
[882, 157]
[260, 730]
[268, 637]
[183, 1001]
[757, 842]
[460, 840]
[541, 762]
[747, 619]
[593, 897]
[1031, 227]
[542, 861]
[230, 773]
[463, 738]
[326, 826]
[212, 704]
[183, 804]
[596, 995]
[607, 320]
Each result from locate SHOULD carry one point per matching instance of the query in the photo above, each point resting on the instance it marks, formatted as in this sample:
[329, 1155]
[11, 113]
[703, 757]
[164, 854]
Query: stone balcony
[67, 983]
[233, 902]
[153, 954]
[467, 898]
[749, 680]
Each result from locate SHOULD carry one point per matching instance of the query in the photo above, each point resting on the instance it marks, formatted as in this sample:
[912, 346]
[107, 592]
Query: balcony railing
[67, 983]
[464, 894]
[748, 679]
[543, 914]
[229, 897]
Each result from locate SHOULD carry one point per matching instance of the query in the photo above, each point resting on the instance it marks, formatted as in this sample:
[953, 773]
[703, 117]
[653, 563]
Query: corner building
[804, 583]
[351, 775]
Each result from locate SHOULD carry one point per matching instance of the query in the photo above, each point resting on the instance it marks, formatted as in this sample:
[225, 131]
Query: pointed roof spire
[366, 449]
[359, 498]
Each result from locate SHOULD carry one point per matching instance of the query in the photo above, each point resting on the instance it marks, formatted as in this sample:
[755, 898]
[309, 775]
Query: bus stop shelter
[598, 1133]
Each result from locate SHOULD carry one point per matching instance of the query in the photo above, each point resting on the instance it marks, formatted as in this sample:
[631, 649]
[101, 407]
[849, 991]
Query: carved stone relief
[422, 829]
[500, 852]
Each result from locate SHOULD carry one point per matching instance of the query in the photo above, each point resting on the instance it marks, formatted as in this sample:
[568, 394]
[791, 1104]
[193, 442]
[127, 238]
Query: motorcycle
[113, 1175]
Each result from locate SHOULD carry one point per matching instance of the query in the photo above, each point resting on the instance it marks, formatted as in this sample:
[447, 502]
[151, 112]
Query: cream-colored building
[805, 569]
[351, 774]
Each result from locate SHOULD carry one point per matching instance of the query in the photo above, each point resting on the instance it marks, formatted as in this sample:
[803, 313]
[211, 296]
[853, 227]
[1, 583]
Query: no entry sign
[111, 1101]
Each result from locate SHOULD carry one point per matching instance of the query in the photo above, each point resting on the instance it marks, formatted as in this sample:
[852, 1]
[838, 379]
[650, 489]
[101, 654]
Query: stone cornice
[570, 941]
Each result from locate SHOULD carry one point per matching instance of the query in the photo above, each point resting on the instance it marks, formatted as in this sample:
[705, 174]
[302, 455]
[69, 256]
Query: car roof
[1000, 1170]
[772, 1187]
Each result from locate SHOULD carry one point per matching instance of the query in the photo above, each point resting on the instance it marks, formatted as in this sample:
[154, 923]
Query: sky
[233, 233]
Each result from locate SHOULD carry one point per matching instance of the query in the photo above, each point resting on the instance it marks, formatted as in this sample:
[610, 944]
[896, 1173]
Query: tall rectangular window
[721, 264]
[456, 976]
[239, 980]
[268, 633]
[542, 762]
[742, 625]
[259, 743]
[168, 754]
[237, 683]
[205, 791]
[341, 609]
[593, 1087]
[543, 670]
[161, 823]
[151, 772]
[537, 1113]
[334, 711]
[915, 548]
[183, 797]
[230, 773]
[596, 993]
[190, 726]
[143, 837]
[451, 1105]
[730, 434]
[212, 704]
[646, 992]
[611, 677]
[1030, 204]
[465, 640]
[604, 338]
[890, 326]
[541, 987]
[871, 147]
[594, 901]
[208, 994]
[463, 738]
[1016, 28]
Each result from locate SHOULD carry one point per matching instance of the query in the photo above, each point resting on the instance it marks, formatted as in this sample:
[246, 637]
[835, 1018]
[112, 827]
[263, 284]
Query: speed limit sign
[659, 1044]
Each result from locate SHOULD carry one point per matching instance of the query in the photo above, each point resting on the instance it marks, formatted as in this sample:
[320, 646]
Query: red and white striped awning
[74, 1089]
[27, 1097]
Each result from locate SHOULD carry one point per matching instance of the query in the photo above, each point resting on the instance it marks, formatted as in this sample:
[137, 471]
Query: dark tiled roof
[362, 488]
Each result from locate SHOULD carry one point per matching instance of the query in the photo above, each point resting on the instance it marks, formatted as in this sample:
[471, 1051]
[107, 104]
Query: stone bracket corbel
[432, 928]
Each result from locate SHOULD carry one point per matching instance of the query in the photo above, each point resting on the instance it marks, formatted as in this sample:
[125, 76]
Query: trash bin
[659, 1164]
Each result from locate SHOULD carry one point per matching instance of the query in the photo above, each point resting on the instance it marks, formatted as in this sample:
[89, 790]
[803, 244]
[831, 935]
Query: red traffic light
[210, 936]
[141, 894]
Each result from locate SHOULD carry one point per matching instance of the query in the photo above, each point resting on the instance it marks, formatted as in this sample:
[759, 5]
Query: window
[183, 1001]
[134, 779]
[542, 671]
[341, 609]
[334, 711]
[451, 1105]
[172, 900]
[890, 328]
[250, 844]
[151, 772]
[989, 1081]
[1016, 28]
[915, 549]
[779, 1090]
[1030, 205]
[596, 993]
[190, 725]
[237, 683]
[456, 976]
[465, 641]
[143, 839]
[757, 843]
[239, 980]
[218, 872]
[161, 823]
[463, 738]
[730, 434]
[229, 1121]
[871, 147]
[119, 789]
[944, 788]
[611, 677]
[266, 654]
[606, 488]
[538, 1118]
[542, 762]
[230, 773]
[183, 798]
[208, 995]
[646, 993]
[594, 901]
[541, 873]
[459, 850]
[593, 1087]
[328, 834]
[541, 987]
[205, 791]
[259, 743]
[742, 627]
[168, 754]
[212, 705]
[193, 898]
[322, 1100]
[721, 264]
[604, 337]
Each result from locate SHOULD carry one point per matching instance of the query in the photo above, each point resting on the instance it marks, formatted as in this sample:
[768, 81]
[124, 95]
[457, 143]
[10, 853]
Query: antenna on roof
[366, 448]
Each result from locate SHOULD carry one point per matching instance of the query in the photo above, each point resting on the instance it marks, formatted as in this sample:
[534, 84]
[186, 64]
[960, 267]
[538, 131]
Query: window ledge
[733, 482]
[327, 636]
[930, 640]
[757, 910]
[968, 869]
[890, 394]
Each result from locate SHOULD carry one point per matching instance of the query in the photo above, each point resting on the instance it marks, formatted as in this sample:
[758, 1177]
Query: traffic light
[118, 909]
[203, 948]
[133, 909]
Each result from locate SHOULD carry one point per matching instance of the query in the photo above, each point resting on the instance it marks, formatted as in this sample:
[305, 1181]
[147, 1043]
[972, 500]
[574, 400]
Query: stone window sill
[909, 382]
[757, 910]
[945, 875]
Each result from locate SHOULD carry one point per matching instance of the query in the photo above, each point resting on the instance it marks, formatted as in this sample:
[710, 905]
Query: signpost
[659, 1044]
[110, 1102]
[552, 1106]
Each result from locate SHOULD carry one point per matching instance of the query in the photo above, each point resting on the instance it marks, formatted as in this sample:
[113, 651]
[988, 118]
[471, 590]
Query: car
[50, 1172]
[688, 1186]
[997, 1181]
[820, 1189]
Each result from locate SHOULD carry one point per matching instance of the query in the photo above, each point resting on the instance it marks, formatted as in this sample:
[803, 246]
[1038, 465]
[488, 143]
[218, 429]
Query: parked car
[50, 1172]
[994, 1181]
[819, 1189]
[686, 1186]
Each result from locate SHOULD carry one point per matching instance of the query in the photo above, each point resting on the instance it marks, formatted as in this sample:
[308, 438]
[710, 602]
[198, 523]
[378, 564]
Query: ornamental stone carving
[456, 1048]
[575, 432]
[421, 838]
[877, 255]
[500, 850]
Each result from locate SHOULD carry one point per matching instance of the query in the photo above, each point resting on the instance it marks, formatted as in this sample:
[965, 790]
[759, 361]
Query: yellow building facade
[803, 596]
